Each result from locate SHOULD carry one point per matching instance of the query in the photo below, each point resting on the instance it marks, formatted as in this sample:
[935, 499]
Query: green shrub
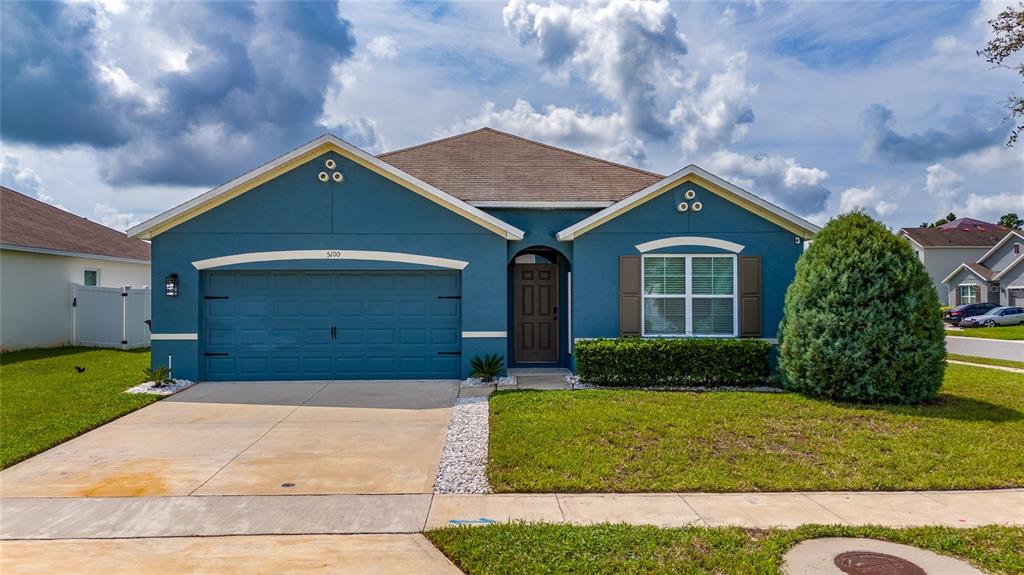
[860, 322]
[159, 376]
[487, 367]
[631, 361]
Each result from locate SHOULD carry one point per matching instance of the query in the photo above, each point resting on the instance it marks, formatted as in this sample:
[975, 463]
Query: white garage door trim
[362, 255]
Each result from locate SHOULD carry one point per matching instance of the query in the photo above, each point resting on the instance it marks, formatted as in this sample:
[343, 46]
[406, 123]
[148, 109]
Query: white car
[996, 316]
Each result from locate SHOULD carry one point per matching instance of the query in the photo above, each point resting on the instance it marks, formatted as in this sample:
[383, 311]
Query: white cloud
[602, 136]
[112, 218]
[720, 113]
[943, 185]
[871, 199]
[19, 178]
[629, 51]
[989, 208]
[783, 180]
[48, 199]
[383, 47]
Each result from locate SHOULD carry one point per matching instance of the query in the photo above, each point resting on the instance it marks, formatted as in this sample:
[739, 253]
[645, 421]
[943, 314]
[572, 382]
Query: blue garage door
[330, 325]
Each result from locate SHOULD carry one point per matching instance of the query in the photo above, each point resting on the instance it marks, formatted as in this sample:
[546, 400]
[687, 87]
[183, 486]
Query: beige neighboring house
[944, 248]
[43, 250]
[996, 277]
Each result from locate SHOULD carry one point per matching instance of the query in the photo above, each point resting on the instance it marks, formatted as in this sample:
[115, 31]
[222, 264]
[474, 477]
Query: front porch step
[540, 377]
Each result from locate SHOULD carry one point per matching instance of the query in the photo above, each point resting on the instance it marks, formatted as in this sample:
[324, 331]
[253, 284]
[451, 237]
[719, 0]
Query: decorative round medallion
[690, 194]
[323, 176]
[338, 177]
[330, 164]
[683, 206]
[697, 206]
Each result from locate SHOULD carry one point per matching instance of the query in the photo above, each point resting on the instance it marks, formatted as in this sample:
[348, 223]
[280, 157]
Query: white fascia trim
[689, 241]
[999, 244]
[956, 271]
[483, 334]
[542, 205]
[1012, 265]
[50, 252]
[632, 201]
[174, 336]
[458, 206]
[362, 255]
[903, 234]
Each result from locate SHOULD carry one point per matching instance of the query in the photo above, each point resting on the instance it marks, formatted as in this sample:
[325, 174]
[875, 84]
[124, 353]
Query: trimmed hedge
[636, 362]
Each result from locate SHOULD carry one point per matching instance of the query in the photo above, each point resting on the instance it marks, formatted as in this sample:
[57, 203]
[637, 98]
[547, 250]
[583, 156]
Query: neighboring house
[996, 277]
[330, 263]
[942, 248]
[43, 250]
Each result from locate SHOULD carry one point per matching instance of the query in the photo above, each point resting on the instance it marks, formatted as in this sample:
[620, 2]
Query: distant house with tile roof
[944, 248]
[43, 250]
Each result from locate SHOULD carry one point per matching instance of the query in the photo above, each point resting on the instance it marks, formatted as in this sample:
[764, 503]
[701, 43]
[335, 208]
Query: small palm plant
[488, 367]
[160, 376]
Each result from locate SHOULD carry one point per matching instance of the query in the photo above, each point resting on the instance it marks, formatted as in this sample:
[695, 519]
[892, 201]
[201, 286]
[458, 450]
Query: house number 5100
[334, 254]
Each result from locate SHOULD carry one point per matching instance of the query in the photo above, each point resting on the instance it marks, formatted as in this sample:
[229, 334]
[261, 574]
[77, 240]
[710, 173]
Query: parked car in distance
[997, 316]
[961, 312]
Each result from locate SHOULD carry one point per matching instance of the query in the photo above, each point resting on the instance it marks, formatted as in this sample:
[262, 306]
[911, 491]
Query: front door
[536, 313]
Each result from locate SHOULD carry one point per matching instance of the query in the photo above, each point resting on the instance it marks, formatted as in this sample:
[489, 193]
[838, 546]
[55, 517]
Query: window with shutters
[689, 295]
[968, 293]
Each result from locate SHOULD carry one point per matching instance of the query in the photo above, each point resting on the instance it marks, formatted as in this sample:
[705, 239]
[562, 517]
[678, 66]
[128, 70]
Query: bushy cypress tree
[861, 319]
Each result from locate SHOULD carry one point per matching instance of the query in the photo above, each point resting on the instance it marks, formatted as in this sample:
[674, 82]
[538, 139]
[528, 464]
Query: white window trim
[689, 296]
[977, 293]
[97, 270]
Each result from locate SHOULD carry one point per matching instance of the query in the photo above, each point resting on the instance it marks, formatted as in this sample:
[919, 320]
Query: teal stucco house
[331, 263]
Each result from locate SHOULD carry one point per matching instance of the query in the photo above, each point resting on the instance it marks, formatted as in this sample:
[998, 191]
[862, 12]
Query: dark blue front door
[330, 325]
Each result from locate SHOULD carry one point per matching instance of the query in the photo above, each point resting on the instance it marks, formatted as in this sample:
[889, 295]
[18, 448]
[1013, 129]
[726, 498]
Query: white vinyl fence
[109, 317]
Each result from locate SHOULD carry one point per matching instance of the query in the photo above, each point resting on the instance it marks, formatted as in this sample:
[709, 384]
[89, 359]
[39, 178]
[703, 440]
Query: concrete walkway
[981, 347]
[132, 517]
[986, 366]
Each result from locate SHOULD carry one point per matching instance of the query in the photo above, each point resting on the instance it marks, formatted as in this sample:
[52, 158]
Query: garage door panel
[277, 325]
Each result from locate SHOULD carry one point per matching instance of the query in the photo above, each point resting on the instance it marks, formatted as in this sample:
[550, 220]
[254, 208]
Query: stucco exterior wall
[296, 211]
[35, 307]
[941, 261]
[1012, 280]
[596, 254]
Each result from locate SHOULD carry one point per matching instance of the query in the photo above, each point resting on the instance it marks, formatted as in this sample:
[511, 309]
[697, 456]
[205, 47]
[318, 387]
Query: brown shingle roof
[985, 273]
[966, 237]
[29, 223]
[488, 165]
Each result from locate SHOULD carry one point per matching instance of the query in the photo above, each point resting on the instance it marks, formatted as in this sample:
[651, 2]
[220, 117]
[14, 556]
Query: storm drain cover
[873, 563]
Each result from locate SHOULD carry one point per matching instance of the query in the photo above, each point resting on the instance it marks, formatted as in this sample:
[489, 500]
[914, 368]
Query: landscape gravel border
[169, 389]
[463, 466]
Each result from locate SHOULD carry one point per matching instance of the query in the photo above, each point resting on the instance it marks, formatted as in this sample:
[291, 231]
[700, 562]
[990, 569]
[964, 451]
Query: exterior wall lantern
[171, 286]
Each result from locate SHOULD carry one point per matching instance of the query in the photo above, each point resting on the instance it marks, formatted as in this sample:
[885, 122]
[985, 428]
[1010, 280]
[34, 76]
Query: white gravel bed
[168, 389]
[464, 458]
[504, 381]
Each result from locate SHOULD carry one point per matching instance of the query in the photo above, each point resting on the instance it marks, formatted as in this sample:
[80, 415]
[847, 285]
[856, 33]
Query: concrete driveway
[263, 438]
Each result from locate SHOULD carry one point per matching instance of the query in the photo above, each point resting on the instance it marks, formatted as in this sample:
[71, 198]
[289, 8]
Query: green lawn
[1014, 332]
[986, 360]
[631, 550]
[45, 401]
[971, 437]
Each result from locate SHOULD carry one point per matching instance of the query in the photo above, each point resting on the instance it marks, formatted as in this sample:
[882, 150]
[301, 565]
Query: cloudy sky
[119, 110]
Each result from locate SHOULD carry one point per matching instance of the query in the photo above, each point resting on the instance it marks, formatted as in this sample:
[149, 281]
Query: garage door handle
[215, 297]
[334, 332]
[449, 297]
[449, 353]
[209, 353]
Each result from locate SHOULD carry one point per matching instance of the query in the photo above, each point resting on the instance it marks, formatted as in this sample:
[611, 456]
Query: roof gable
[707, 180]
[300, 156]
[977, 270]
[490, 168]
[37, 226]
[1013, 234]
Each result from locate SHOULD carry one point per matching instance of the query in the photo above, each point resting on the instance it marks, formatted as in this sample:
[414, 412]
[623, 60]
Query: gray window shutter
[958, 296]
[630, 299]
[750, 296]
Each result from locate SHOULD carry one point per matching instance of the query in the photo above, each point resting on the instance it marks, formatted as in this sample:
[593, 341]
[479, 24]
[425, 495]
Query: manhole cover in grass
[873, 563]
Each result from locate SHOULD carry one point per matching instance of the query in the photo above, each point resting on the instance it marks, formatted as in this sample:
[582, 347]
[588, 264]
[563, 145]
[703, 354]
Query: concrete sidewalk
[130, 517]
[981, 347]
